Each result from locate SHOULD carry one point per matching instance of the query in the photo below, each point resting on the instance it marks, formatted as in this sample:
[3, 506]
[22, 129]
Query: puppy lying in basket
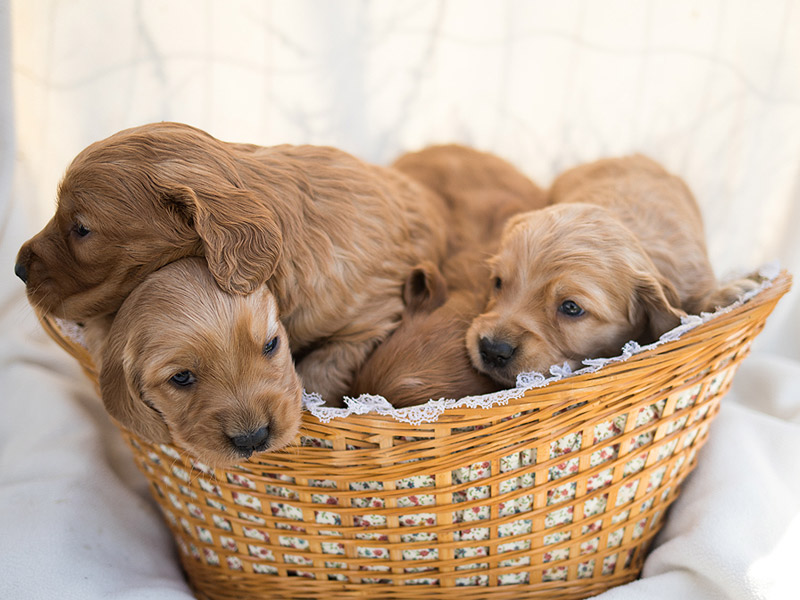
[619, 255]
[187, 363]
[333, 237]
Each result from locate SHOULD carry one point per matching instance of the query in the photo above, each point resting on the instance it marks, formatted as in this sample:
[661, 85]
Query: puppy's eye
[80, 230]
[183, 379]
[570, 308]
[498, 283]
[271, 346]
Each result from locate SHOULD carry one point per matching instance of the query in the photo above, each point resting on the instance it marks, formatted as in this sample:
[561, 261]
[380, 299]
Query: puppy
[425, 357]
[619, 256]
[185, 362]
[333, 237]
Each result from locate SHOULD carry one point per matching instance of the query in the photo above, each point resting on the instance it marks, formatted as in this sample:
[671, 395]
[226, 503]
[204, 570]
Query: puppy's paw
[728, 293]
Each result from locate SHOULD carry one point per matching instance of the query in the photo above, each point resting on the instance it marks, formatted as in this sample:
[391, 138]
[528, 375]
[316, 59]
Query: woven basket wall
[555, 495]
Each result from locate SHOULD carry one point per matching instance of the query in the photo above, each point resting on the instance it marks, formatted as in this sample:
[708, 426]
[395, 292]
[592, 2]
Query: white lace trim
[431, 410]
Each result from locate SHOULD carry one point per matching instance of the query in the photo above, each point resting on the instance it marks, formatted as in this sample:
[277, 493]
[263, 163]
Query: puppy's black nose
[254, 441]
[495, 353]
[21, 272]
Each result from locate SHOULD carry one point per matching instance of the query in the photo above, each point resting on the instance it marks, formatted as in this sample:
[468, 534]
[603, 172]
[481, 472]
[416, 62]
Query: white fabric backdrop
[711, 89]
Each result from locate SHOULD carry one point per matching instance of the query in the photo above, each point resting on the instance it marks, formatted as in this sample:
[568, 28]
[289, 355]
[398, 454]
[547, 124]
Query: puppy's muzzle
[495, 353]
[254, 441]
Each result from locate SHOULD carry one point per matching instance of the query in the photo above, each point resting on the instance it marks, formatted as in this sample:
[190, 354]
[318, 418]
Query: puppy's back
[633, 183]
[480, 191]
[658, 208]
[452, 170]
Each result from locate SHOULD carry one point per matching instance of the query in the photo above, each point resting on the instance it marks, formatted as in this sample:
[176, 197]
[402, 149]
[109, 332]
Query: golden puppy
[333, 237]
[619, 256]
[425, 357]
[185, 362]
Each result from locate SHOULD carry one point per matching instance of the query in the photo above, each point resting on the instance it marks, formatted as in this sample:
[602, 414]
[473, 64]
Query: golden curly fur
[333, 237]
[480, 191]
[185, 362]
[619, 256]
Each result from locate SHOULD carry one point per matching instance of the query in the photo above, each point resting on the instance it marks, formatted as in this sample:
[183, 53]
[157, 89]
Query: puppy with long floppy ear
[619, 256]
[333, 237]
[568, 283]
[187, 363]
[425, 357]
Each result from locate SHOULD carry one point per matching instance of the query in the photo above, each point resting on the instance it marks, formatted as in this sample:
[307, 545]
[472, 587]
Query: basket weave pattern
[556, 494]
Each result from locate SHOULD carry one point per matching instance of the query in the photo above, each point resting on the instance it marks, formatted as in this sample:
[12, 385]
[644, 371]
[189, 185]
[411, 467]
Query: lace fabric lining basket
[556, 494]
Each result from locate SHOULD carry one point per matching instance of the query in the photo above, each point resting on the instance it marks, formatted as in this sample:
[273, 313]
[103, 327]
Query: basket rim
[695, 326]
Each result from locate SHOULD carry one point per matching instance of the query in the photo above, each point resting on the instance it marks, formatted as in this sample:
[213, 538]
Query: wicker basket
[555, 495]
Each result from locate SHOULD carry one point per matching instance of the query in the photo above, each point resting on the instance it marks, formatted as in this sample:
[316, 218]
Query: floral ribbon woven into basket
[557, 494]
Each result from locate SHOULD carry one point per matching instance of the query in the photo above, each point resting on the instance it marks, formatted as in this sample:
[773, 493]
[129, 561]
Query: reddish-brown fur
[481, 191]
[178, 320]
[425, 357]
[624, 241]
[333, 237]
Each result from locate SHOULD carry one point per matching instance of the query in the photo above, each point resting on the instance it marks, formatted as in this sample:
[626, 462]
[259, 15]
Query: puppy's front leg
[329, 369]
[727, 293]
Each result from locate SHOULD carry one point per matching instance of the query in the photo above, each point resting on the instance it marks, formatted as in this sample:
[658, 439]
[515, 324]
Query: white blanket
[709, 89]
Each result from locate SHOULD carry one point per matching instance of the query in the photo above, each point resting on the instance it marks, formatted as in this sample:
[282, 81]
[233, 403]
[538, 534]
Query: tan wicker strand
[557, 494]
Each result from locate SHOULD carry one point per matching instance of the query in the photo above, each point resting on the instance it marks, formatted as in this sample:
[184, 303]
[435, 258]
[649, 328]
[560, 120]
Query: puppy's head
[188, 363]
[136, 201]
[569, 282]
[425, 357]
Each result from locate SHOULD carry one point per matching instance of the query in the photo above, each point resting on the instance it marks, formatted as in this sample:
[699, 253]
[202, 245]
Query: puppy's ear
[241, 236]
[120, 388]
[425, 288]
[657, 298]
